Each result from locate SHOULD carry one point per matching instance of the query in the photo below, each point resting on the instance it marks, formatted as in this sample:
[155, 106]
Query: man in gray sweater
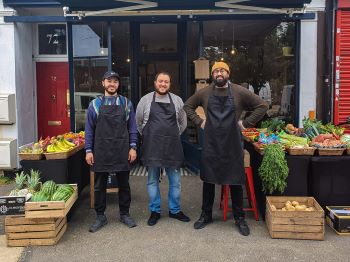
[160, 119]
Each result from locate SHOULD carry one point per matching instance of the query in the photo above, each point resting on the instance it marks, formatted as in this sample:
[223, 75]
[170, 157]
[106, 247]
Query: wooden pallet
[21, 231]
[295, 224]
[50, 209]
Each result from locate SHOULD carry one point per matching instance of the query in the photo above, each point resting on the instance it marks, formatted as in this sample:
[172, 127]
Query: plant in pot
[286, 38]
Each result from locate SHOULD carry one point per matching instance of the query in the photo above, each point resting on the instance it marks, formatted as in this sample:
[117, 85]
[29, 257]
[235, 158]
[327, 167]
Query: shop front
[270, 46]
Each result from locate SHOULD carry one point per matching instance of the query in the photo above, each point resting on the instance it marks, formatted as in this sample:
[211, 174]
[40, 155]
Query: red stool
[225, 192]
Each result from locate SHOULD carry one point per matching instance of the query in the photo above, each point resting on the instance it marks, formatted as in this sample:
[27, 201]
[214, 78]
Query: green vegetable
[273, 125]
[274, 169]
[291, 140]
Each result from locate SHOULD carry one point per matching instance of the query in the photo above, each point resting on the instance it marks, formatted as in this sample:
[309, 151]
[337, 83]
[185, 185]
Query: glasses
[222, 71]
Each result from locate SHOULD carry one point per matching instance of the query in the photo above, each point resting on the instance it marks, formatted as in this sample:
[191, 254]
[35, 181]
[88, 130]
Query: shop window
[260, 54]
[52, 39]
[150, 38]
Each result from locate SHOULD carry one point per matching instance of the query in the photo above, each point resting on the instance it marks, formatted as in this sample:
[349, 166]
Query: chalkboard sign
[52, 39]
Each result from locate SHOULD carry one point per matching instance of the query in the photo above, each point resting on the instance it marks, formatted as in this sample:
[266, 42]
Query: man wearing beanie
[222, 160]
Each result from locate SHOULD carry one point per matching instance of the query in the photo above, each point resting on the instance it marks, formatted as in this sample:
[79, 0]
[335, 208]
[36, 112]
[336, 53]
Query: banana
[50, 149]
[59, 148]
[70, 144]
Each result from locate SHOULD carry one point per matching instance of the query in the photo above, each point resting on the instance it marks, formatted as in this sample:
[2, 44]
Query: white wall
[308, 67]
[25, 87]
[17, 77]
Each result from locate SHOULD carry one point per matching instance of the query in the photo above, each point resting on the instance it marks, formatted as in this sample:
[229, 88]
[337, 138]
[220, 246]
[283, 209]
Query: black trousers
[124, 194]
[236, 196]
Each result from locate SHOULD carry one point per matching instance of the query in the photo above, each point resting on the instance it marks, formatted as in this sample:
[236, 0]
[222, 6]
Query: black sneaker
[242, 226]
[127, 220]
[180, 216]
[203, 220]
[153, 219]
[100, 221]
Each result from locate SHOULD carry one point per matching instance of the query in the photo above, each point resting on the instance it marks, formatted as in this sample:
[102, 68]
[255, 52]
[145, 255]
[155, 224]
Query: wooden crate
[63, 155]
[50, 209]
[21, 231]
[295, 224]
[28, 156]
[330, 151]
[310, 151]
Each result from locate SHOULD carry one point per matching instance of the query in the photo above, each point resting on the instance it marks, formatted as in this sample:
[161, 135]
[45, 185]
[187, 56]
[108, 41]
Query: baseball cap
[110, 74]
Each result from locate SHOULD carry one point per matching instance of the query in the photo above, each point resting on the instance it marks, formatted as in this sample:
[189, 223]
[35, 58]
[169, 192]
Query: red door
[53, 100]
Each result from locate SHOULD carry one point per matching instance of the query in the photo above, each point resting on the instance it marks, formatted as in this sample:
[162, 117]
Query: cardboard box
[12, 205]
[338, 218]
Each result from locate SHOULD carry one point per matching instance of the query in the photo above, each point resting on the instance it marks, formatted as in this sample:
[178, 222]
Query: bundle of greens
[274, 169]
[273, 125]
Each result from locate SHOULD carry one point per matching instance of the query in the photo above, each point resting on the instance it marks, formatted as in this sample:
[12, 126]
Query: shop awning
[161, 5]
[155, 8]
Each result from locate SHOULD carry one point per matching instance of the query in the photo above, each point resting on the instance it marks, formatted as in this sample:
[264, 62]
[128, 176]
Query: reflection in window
[261, 58]
[150, 38]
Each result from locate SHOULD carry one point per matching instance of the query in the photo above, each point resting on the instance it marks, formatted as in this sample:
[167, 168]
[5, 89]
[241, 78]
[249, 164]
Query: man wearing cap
[222, 150]
[160, 120]
[110, 144]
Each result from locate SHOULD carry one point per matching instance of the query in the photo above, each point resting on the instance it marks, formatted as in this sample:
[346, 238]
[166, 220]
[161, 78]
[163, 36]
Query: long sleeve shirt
[243, 100]
[144, 107]
[92, 115]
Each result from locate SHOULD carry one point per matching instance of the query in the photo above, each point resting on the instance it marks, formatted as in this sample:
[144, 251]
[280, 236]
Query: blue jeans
[174, 189]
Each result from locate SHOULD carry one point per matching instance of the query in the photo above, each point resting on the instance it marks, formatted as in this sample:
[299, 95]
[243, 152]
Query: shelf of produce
[49, 209]
[21, 231]
[294, 224]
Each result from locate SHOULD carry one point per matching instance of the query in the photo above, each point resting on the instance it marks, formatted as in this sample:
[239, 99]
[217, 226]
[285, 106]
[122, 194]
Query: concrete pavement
[172, 240]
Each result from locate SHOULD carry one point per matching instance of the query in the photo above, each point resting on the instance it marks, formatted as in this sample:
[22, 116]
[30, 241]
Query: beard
[220, 82]
[160, 92]
[109, 92]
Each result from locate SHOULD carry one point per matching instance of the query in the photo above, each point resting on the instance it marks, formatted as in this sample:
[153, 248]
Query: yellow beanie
[220, 65]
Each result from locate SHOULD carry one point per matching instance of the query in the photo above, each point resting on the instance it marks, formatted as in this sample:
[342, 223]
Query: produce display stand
[21, 231]
[326, 178]
[73, 170]
[297, 181]
[295, 224]
[50, 209]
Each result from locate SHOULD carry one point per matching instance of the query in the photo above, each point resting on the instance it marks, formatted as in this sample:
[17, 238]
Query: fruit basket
[63, 155]
[27, 152]
[308, 151]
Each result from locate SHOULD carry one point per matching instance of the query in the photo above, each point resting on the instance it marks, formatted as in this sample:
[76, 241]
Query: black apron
[111, 142]
[222, 155]
[161, 142]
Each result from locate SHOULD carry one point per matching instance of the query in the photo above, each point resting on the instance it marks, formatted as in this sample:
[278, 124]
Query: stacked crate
[43, 224]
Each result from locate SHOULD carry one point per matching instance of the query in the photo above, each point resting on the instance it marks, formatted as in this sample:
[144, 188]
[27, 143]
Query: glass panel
[121, 56]
[260, 54]
[147, 73]
[52, 39]
[90, 63]
[158, 38]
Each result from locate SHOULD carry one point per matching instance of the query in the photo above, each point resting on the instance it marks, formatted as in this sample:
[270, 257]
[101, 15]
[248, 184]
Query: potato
[284, 209]
[295, 203]
[273, 208]
[300, 207]
[290, 208]
[288, 203]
